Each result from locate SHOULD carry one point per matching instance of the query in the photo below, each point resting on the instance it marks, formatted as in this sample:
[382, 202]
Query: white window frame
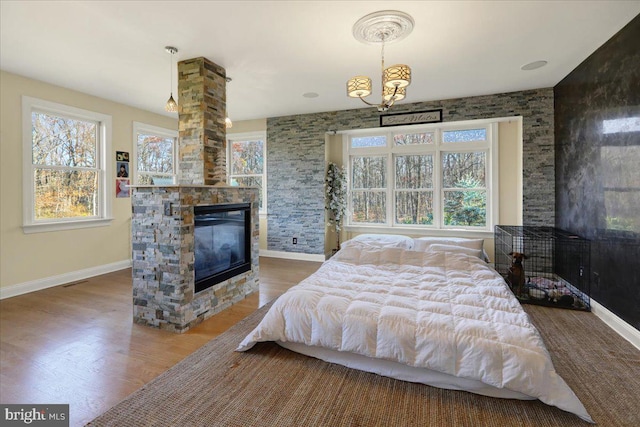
[248, 136]
[105, 187]
[490, 147]
[139, 127]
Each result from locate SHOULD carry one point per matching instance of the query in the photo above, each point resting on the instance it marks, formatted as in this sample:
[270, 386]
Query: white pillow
[423, 243]
[385, 240]
[457, 249]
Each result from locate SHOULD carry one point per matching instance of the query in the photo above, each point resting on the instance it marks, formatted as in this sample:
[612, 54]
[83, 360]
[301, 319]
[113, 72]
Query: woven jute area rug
[271, 386]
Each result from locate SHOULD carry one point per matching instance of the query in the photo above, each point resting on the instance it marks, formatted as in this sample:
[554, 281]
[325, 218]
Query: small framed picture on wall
[122, 188]
[122, 169]
[122, 156]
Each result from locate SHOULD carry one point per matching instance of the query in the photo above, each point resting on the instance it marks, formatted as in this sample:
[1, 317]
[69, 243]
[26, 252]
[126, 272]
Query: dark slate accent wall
[296, 160]
[598, 171]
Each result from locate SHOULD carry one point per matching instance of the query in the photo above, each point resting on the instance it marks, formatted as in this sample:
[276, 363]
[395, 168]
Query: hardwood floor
[77, 344]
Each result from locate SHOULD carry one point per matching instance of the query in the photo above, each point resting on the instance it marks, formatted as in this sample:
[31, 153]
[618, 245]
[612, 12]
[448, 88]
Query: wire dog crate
[554, 269]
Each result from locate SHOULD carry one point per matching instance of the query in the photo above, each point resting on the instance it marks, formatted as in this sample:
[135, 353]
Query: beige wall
[510, 158]
[245, 126]
[31, 257]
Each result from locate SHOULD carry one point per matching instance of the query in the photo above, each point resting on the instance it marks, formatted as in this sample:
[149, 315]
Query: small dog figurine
[516, 273]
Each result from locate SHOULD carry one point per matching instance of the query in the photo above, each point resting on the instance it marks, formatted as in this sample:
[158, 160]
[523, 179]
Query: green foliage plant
[335, 190]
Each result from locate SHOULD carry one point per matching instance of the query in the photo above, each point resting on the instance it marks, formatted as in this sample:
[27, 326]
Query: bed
[428, 310]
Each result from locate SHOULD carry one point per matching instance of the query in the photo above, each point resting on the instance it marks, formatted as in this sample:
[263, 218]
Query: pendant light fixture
[227, 121]
[171, 105]
[380, 28]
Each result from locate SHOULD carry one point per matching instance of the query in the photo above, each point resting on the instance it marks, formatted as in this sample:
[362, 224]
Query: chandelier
[171, 105]
[380, 28]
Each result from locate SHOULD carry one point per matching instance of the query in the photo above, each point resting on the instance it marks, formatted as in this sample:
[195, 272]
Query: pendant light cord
[171, 75]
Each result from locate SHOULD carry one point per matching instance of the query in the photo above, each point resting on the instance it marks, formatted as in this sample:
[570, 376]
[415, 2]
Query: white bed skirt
[388, 368]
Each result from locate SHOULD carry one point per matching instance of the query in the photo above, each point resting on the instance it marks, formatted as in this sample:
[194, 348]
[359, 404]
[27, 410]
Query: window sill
[415, 231]
[65, 225]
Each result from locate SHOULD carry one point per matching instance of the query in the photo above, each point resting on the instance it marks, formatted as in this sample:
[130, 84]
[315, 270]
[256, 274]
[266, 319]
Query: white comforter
[443, 311]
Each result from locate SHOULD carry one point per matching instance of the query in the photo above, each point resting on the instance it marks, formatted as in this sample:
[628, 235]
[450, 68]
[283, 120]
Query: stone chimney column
[202, 105]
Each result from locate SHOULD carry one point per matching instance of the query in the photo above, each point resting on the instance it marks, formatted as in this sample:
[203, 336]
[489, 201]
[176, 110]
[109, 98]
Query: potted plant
[335, 189]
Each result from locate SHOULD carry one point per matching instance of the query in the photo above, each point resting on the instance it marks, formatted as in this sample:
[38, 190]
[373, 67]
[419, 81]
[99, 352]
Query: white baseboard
[292, 255]
[61, 279]
[624, 329]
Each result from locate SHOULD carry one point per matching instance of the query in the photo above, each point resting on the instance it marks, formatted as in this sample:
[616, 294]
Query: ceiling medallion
[384, 26]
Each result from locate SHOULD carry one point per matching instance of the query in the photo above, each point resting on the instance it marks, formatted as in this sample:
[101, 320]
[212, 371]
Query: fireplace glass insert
[222, 243]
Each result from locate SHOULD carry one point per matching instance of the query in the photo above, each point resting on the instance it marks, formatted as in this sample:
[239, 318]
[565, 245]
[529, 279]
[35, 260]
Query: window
[414, 189]
[154, 155]
[424, 176]
[65, 182]
[464, 190]
[247, 154]
[368, 189]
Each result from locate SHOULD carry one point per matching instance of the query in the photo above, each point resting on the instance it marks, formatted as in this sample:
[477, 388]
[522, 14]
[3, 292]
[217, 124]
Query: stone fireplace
[164, 217]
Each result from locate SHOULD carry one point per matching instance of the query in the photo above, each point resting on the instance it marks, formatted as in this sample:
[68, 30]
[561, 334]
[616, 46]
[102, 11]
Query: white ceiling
[276, 51]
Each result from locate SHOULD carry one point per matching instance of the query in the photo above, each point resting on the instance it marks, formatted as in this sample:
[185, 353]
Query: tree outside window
[65, 171]
[247, 163]
[414, 189]
[368, 190]
[465, 194]
[155, 155]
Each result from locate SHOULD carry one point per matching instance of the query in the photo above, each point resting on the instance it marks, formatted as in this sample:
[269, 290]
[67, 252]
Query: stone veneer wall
[202, 110]
[296, 160]
[163, 256]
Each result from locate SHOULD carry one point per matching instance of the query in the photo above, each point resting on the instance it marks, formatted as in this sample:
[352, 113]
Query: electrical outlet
[295, 240]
